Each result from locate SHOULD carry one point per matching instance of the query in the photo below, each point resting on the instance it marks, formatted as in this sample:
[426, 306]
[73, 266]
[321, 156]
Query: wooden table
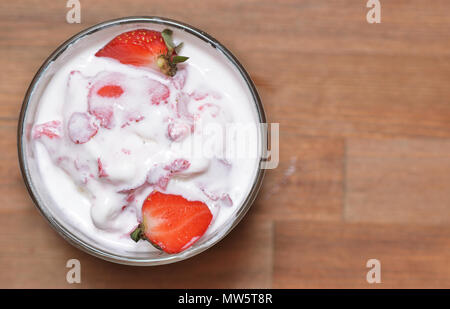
[364, 114]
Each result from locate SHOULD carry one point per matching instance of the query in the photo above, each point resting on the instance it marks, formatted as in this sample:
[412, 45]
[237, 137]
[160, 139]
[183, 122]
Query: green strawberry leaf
[179, 59]
[136, 235]
[178, 48]
[167, 36]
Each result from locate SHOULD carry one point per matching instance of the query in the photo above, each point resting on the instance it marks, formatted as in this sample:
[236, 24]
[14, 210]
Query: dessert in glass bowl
[124, 140]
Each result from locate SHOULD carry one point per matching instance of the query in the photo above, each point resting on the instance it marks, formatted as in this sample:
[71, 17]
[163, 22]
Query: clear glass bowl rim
[64, 232]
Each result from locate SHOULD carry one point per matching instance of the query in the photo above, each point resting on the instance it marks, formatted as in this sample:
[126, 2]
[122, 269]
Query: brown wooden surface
[364, 113]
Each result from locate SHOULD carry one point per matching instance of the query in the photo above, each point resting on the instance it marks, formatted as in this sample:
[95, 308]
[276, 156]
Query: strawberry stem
[138, 233]
[166, 66]
[168, 63]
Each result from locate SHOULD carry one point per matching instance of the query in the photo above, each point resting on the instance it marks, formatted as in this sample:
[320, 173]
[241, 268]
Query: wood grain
[38, 260]
[334, 255]
[398, 180]
[312, 170]
[365, 127]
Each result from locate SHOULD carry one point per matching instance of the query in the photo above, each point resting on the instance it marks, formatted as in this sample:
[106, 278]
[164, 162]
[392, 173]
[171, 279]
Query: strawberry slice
[103, 93]
[213, 109]
[177, 131]
[171, 222]
[81, 128]
[178, 166]
[110, 91]
[143, 47]
[158, 92]
[51, 129]
[179, 80]
[101, 169]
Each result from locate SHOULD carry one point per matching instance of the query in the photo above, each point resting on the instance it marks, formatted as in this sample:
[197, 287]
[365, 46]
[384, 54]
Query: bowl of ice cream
[140, 141]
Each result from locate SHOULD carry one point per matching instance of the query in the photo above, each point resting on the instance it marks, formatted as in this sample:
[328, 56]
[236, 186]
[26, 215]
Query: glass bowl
[35, 184]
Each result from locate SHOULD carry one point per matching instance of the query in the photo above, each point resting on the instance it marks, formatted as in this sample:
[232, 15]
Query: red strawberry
[171, 222]
[144, 47]
[110, 91]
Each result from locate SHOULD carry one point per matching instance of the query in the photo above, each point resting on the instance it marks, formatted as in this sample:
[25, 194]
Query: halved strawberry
[144, 47]
[171, 222]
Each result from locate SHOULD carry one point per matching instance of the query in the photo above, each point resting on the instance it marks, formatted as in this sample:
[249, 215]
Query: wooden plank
[329, 78]
[38, 260]
[13, 194]
[334, 255]
[308, 183]
[357, 95]
[398, 180]
[344, 77]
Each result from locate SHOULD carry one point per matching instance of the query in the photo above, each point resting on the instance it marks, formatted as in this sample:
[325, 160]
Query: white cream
[90, 178]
